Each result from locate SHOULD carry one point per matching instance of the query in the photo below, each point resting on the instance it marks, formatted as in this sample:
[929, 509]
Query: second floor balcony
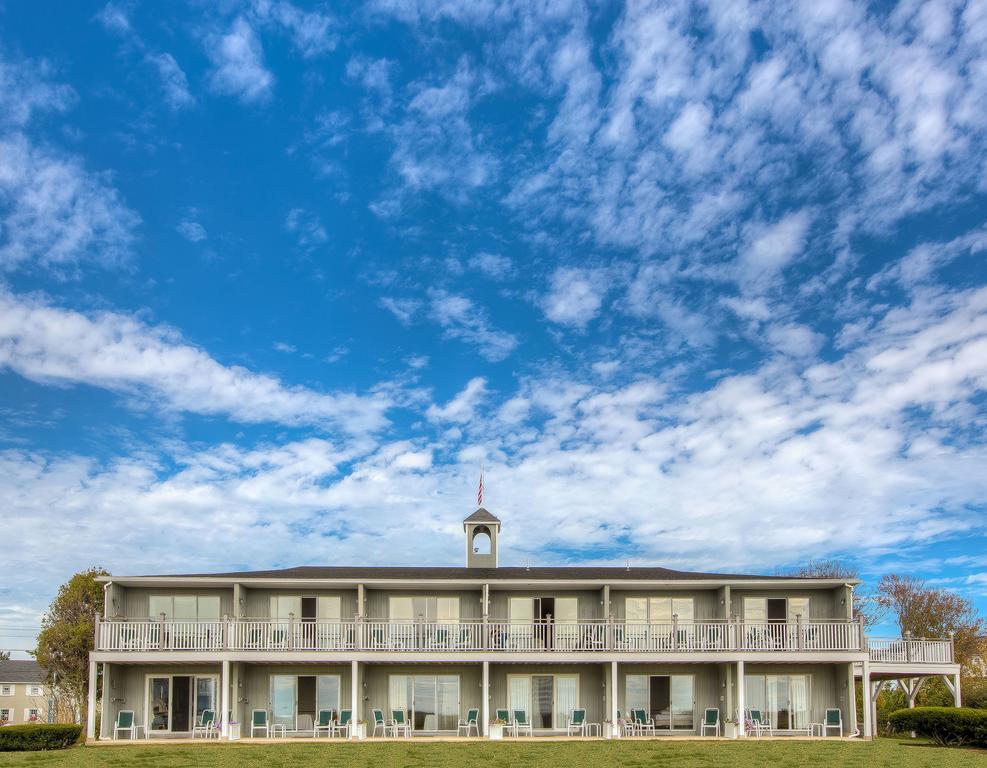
[502, 636]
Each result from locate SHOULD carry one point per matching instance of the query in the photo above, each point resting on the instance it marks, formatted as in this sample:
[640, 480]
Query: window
[548, 700]
[759, 610]
[4, 715]
[6, 690]
[444, 610]
[659, 610]
[34, 690]
[431, 701]
[32, 715]
[184, 607]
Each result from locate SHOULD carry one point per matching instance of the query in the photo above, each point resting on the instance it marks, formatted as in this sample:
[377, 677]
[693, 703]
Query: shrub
[947, 726]
[31, 737]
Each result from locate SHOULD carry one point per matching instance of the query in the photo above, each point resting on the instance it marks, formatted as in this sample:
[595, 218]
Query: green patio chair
[521, 722]
[323, 723]
[470, 722]
[344, 724]
[834, 719]
[711, 719]
[400, 724]
[577, 723]
[258, 722]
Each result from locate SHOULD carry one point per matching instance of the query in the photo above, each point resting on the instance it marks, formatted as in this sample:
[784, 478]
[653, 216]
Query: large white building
[438, 642]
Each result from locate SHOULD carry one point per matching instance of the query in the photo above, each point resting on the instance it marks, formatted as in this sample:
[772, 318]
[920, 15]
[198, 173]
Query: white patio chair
[711, 720]
[834, 719]
[258, 722]
[206, 727]
[471, 722]
[577, 723]
[124, 723]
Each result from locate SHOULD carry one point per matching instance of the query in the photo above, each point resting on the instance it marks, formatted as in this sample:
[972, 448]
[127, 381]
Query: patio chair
[504, 715]
[577, 723]
[834, 719]
[472, 716]
[258, 722]
[642, 723]
[711, 720]
[626, 726]
[343, 725]
[760, 724]
[124, 723]
[206, 726]
[521, 722]
[400, 724]
[323, 723]
[380, 724]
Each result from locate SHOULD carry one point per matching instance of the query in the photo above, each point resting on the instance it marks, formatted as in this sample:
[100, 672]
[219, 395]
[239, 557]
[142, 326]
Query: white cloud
[55, 214]
[192, 231]
[306, 227]
[114, 19]
[772, 248]
[574, 296]
[173, 81]
[795, 340]
[461, 319]
[118, 352]
[462, 408]
[312, 33]
[492, 265]
[238, 61]
[403, 309]
[26, 89]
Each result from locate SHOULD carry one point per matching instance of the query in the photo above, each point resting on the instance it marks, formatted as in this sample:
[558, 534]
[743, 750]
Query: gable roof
[481, 516]
[21, 671]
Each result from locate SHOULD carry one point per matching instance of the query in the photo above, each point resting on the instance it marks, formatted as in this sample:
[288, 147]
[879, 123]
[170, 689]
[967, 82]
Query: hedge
[948, 726]
[31, 737]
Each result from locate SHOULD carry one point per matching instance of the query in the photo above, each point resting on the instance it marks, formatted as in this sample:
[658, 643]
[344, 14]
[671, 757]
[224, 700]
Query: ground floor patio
[435, 698]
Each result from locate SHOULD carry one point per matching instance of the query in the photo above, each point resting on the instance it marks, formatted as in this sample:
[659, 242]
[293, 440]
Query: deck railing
[510, 636]
[910, 651]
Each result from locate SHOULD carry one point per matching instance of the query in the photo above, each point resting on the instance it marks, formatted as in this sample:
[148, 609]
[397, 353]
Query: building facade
[437, 642]
[23, 696]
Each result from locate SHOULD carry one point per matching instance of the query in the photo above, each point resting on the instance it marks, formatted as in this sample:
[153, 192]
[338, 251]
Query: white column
[741, 701]
[91, 709]
[957, 699]
[224, 698]
[486, 698]
[614, 691]
[354, 692]
[105, 718]
[868, 711]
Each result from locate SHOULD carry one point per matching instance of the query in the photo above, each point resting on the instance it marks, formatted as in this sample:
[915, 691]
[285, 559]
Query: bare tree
[838, 569]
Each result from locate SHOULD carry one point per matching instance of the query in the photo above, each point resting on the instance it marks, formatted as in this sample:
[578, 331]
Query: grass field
[892, 753]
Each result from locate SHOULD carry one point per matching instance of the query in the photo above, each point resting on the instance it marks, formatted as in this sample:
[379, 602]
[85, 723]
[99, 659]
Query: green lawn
[893, 753]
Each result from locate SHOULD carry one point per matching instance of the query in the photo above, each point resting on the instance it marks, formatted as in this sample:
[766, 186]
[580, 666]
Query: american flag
[479, 491]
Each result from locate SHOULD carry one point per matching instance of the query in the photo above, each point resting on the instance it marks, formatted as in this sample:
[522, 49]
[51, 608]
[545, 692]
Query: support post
[106, 703]
[614, 690]
[354, 691]
[224, 698]
[486, 699]
[91, 709]
[957, 698]
[741, 702]
[868, 711]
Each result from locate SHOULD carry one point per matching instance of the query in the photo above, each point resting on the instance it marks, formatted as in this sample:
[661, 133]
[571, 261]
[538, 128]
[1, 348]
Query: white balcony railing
[909, 651]
[510, 636]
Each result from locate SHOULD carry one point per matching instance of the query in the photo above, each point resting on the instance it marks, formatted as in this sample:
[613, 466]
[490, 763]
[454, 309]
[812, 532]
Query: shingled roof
[21, 671]
[481, 516]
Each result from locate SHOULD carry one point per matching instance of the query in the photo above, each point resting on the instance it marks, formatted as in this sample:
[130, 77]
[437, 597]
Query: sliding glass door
[431, 701]
[784, 699]
[668, 699]
[548, 700]
[173, 703]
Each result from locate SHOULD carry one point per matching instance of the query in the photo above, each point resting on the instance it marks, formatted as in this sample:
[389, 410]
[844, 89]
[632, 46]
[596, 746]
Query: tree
[837, 569]
[4, 655]
[66, 638]
[922, 611]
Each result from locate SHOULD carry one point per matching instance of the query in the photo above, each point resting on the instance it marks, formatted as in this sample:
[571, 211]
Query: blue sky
[700, 285]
